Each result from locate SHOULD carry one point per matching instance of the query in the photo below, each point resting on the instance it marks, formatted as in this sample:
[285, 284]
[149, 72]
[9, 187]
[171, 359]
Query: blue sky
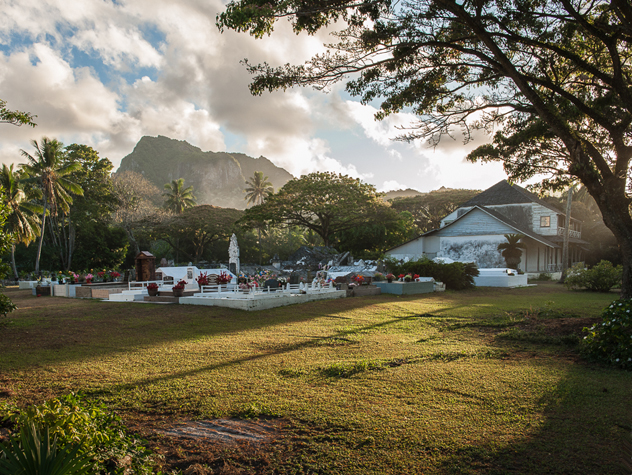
[106, 73]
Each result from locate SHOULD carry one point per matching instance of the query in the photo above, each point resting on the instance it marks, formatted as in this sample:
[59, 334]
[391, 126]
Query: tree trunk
[567, 233]
[260, 258]
[41, 239]
[15, 270]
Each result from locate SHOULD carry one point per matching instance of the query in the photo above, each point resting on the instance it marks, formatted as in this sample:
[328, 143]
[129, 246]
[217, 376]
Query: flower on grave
[401, 277]
[359, 279]
[202, 279]
[150, 286]
[114, 274]
[100, 274]
[390, 277]
[224, 278]
[89, 278]
[179, 286]
[416, 276]
[408, 278]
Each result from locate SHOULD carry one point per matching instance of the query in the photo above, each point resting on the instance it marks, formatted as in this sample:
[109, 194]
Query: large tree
[553, 77]
[258, 189]
[326, 203]
[48, 170]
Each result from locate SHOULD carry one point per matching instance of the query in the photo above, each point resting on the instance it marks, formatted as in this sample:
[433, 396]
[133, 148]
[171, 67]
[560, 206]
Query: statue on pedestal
[233, 255]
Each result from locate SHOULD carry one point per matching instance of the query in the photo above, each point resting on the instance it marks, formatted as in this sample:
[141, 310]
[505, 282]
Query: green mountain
[218, 178]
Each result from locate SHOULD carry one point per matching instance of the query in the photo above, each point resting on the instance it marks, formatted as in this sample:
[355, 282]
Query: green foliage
[600, 278]
[512, 249]
[99, 433]
[455, 276]
[34, 453]
[429, 209]
[326, 203]
[18, 118]
[611, 340]
[177, 197]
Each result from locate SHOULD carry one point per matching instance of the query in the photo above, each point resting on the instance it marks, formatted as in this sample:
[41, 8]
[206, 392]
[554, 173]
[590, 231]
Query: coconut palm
[22, 221]
[258, 190]
[512, 249]
[177, 197]
[47, 170]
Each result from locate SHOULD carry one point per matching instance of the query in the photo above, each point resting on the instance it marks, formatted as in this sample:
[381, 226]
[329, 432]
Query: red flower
[401, 276]
[224, 278]
[416, 276]
[152, 286]
[202, 279]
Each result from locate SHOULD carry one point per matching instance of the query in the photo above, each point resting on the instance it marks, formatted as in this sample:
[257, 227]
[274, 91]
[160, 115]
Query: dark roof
[504, 193]
[503, 219]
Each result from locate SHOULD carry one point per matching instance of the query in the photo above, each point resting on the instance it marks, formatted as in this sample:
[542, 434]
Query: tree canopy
[552, 77]
[177, 197]
[327, 203]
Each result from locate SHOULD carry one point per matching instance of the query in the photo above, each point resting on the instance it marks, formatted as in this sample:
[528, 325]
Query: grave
[145, 266]
[423, 286]
[500, 277]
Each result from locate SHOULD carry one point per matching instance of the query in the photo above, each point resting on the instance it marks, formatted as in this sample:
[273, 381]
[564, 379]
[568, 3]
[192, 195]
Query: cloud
[392, 185]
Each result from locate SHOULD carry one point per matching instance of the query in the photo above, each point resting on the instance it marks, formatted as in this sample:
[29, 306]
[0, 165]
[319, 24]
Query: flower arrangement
[390, 277]
[60, 278]
[150, 286]
[114, 275]
[224, 278]
[378, 277]
[202, 279]
[101, 275]
[408, 278]
[415, 277]
[73, 278]
[282, 280]
[179, 286]
[359, 279]
[89, 278]
[248, 285]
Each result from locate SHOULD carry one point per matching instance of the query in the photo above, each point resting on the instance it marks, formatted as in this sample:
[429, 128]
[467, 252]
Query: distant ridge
[218, 178]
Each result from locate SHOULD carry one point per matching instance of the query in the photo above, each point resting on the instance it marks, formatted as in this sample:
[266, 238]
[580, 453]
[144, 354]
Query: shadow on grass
[585, 427]
[56, 330]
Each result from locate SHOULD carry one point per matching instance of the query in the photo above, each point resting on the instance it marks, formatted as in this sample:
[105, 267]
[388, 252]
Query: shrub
[455, 276]
[600, 278]
[99, 433]
[611, 340]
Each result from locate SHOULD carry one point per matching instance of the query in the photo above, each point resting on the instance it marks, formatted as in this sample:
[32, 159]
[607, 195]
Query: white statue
[233, 255]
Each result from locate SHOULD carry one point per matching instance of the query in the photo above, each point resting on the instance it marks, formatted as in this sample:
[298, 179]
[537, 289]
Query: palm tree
[49, 172]
[258, 190]
[178, 198]
[512, 249]
[22, 221]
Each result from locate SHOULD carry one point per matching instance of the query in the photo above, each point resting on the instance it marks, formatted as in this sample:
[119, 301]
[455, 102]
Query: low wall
[366, 290]
[503, 280]
[279, 300]
[405, 288]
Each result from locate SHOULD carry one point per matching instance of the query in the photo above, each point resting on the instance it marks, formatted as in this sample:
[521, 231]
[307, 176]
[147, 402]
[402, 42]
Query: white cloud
[391, 185]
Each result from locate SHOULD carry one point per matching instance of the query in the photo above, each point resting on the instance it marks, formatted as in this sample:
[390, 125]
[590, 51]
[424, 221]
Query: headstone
[145, 266]
[163, 262]
[276, 262]
[272, 283]
[293, 278]
[233, 255]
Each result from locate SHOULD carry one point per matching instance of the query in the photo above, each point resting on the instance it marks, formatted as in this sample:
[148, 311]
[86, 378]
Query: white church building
[473, 231]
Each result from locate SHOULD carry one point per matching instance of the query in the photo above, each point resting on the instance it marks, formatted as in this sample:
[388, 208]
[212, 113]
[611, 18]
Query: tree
[21, 222]
[18, 118]
[512, 250]
[553, 77]
[48, 171]
[326, 203]
[136, 201]
[178, 198]
[259, 188]
[191, 231]
[430, 208]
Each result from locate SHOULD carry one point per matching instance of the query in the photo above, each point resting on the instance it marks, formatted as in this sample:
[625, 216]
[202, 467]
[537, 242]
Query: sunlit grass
[440, 383]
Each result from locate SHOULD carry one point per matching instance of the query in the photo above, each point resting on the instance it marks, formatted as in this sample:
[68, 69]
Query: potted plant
[408, 278]
[224, 278]
[102, 275]
[378, 277]
[89, 278]
[202, 279]
[359, 279]
[60, 278]
[152, 289]
[178, 289]
[389, 278]
[114, 275]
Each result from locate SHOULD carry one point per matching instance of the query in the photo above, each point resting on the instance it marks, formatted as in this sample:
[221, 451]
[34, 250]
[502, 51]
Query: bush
[455, 276]
[600, 278]
[99, 433]
[611, 340]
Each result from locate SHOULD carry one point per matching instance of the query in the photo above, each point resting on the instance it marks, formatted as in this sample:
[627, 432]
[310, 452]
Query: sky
[106, 72]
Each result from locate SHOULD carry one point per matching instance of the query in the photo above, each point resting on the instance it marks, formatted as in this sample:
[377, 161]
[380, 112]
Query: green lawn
[484, 381]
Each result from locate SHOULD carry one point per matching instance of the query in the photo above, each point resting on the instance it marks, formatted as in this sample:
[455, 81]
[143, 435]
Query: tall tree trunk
[41, 239]
[260, 258]
[15, 269]
[567, 233]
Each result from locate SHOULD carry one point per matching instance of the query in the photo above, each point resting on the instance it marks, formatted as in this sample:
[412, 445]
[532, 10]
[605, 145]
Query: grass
[484, 381]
